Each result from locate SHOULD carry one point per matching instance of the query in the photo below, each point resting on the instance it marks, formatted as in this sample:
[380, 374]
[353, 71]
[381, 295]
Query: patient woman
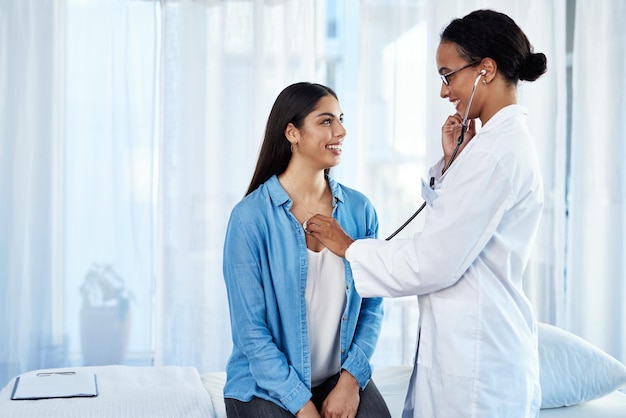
[302, 336]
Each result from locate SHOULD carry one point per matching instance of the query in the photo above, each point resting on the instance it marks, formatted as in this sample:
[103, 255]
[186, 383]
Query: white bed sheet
[612, 405]
[392, 382]
[123, 392]
[169, 392]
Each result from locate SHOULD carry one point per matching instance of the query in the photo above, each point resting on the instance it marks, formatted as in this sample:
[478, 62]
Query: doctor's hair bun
[533, 67]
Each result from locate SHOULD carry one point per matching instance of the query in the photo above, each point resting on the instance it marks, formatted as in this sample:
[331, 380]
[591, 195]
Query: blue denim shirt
[265, 269]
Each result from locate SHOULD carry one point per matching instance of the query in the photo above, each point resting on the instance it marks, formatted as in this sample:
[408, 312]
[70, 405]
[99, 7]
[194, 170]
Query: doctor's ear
[488, 69]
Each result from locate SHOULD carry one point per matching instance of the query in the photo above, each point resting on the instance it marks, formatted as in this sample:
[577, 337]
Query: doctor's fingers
[328, 231]
[323, 226]
[471, 129]
[450, 132]
[452, 124]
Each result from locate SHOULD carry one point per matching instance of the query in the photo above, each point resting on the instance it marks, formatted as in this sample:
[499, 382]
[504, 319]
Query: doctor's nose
[444, 91]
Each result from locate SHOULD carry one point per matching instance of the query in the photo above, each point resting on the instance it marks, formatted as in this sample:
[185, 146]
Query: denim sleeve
[242, 274]
[364, 341]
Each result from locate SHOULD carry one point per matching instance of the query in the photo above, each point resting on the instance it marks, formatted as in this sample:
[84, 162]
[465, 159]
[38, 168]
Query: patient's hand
[308, 411]
[328, 231]
[343, 400]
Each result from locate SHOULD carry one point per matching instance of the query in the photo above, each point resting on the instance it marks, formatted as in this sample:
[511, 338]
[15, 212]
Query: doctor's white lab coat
[477, 349]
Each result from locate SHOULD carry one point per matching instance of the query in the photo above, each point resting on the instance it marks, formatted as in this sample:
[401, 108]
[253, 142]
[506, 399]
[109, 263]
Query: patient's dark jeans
[372, 404]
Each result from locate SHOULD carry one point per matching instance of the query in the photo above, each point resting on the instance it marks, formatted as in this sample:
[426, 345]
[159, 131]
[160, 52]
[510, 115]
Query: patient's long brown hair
[292, 105]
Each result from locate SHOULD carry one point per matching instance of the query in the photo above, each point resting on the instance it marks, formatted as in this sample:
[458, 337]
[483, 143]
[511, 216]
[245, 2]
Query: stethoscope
[452, 157]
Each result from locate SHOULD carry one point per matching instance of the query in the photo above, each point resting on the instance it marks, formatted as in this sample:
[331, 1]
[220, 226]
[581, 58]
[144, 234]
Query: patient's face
[322, 134]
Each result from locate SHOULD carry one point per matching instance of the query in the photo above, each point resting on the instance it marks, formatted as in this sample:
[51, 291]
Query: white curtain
[129, 129]
[31, 125]
[399, 129]
[77, 123]
[596, 268]
[108, 180]
[222, 66]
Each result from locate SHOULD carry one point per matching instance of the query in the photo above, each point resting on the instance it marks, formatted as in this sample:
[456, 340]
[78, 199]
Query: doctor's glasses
[445, 77]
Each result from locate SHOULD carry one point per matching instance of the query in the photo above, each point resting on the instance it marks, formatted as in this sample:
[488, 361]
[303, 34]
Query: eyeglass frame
[444, 77]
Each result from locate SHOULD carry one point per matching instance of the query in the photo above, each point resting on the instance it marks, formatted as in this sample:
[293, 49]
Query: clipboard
[55, 384]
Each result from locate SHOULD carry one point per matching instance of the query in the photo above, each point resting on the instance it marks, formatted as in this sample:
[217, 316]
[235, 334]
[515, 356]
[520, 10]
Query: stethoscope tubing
[452, 157]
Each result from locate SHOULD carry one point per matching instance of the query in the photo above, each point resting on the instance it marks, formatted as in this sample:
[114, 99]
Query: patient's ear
[292, 133]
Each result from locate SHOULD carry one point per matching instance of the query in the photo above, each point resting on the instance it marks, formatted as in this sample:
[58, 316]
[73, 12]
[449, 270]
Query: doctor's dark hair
[489, 34]
[292, 105]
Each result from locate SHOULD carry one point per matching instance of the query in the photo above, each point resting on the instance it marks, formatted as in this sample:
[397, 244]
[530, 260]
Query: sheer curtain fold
[29, 135]
[546, 100]
[108, 180]
[223, 64]
[596, 267]
[391, 140]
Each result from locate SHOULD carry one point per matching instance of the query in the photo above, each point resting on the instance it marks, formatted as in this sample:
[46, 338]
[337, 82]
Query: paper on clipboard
[59, 384]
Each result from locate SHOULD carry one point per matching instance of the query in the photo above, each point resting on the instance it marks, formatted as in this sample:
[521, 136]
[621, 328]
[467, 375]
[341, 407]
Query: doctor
[477, 348]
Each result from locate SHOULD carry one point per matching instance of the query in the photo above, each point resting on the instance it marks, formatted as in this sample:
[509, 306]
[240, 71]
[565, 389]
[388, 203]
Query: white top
[325, 302]
[477, 351]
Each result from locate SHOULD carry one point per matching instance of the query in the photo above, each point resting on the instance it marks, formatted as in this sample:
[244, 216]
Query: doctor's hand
[450, 132]
[328, 231]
